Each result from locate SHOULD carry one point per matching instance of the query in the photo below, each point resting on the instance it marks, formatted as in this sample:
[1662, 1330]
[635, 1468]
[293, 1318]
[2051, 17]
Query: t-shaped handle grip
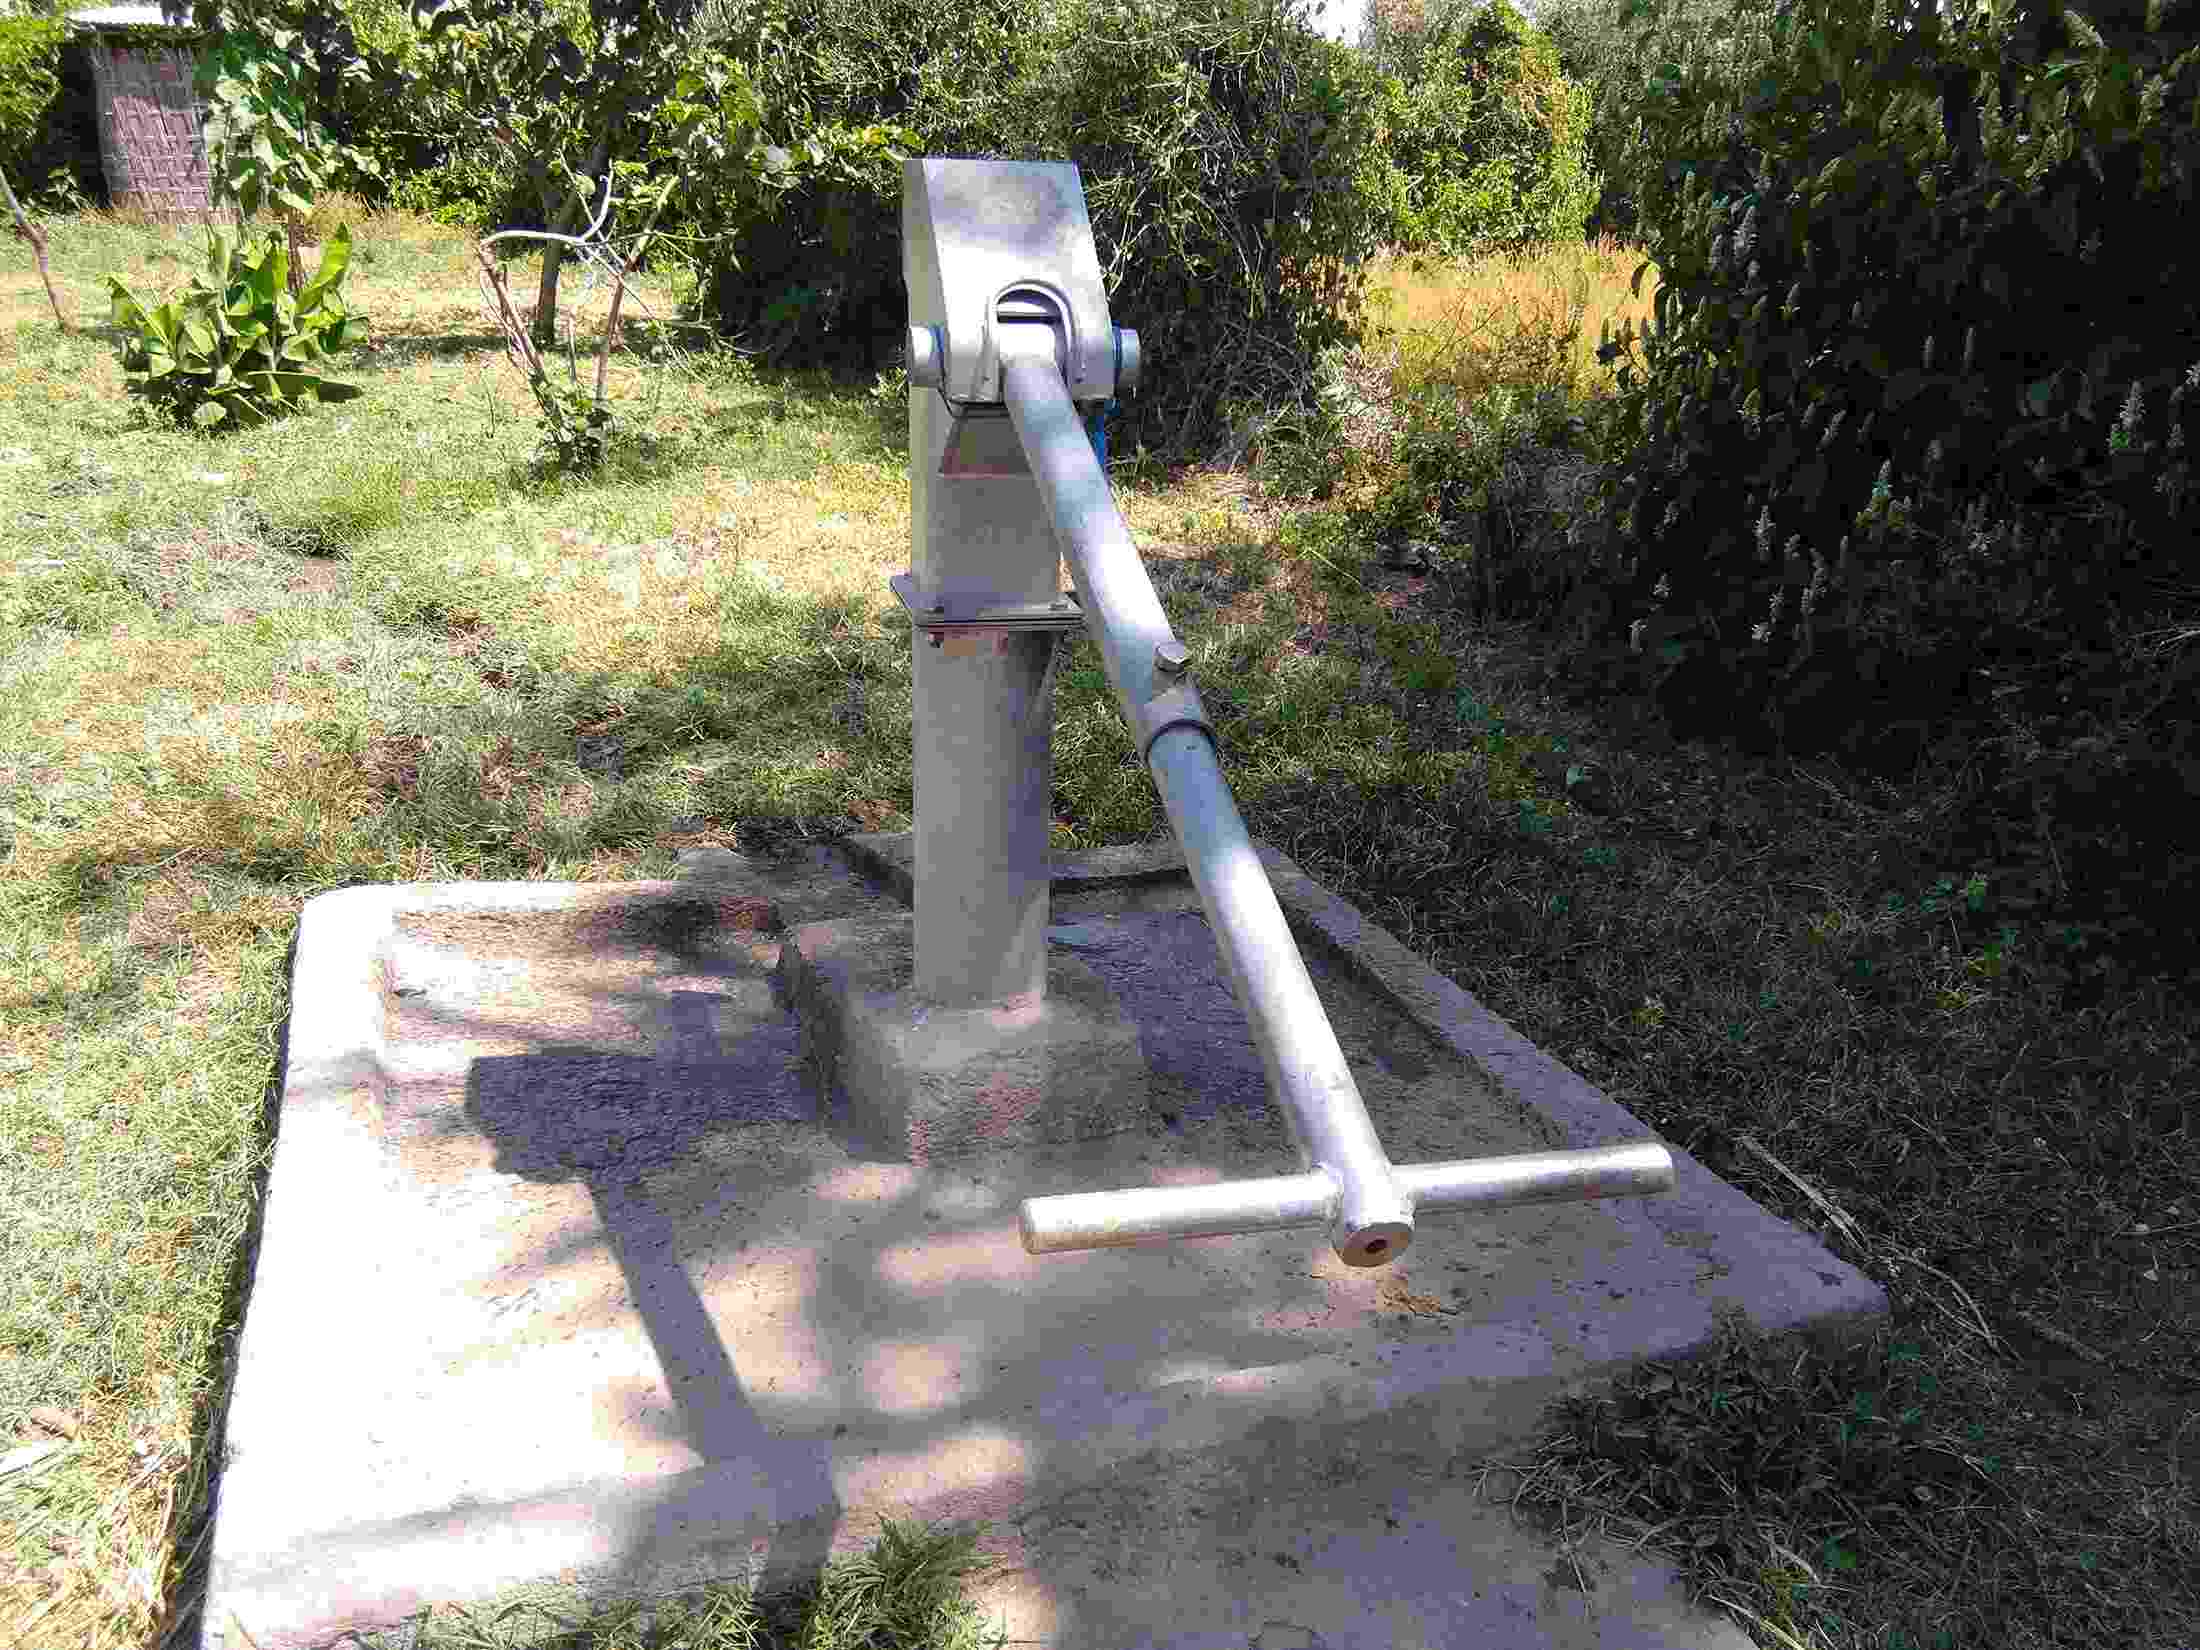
[1103, 1220]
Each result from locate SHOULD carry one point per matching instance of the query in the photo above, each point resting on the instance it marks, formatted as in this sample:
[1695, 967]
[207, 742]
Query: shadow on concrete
[606, 1120]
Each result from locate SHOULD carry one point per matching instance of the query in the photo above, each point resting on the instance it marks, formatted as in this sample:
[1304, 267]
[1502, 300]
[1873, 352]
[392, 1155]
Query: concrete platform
[570, 1284]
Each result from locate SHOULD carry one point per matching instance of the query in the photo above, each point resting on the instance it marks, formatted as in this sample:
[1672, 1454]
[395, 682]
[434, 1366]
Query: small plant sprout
[2127, 422]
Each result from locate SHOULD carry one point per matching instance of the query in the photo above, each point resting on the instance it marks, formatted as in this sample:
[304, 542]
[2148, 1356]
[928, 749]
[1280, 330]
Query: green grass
[904, 1593]
[371, 644]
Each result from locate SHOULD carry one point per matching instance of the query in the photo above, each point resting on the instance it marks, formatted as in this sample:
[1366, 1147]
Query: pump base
[923, 1081]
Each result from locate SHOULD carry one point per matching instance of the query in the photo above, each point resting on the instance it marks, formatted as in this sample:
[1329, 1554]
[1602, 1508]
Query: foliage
[235, 346]
[806, 262]
[1893, 473]
[1485, 141]
[576, 426]
[1228, 155]
[577, 421]
[30, 56]
[1231, 159]
[574, 97]
[1600, 50]
[265, 151]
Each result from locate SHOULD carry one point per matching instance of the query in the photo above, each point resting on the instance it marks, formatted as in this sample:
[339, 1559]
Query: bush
[1485, 140]
[1601, 48]
[1911, 439]
[1229, 157]
[30, 81]
[806, 267]
[1232, 160]
[234, 347]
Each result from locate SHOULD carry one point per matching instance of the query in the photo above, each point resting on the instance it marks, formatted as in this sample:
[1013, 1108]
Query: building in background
[152, 127]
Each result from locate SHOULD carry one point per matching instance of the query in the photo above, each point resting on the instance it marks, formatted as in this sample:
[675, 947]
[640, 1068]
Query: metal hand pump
[1032, 340]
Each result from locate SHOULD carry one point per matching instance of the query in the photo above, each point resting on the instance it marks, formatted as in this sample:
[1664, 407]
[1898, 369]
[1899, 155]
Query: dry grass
[1472, 329]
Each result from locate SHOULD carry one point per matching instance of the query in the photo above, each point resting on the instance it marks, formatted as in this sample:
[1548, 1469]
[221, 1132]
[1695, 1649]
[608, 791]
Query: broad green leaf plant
[235, 347]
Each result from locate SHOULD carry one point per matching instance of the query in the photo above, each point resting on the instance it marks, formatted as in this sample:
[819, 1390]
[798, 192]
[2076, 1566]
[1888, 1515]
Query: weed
[904, 1590]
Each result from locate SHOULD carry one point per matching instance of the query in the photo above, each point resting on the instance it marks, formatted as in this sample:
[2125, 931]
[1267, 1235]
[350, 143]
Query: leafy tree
[265, 151]
[30, 54]
[1602, 51]
[1232, 160]
[1486, 138]
[571, 95]
[807, 263]
[30, 48]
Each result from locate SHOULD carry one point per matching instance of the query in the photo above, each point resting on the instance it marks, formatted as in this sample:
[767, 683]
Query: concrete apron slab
[569, 1287]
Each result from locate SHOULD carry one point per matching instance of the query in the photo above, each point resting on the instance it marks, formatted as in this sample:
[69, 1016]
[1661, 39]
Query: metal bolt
[1171, 658]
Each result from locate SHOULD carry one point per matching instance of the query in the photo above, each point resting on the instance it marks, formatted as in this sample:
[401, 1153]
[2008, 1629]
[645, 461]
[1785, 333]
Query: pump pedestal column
[955, 1029]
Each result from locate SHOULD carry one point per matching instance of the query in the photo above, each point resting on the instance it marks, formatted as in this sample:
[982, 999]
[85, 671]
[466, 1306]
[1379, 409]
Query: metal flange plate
[929, 612]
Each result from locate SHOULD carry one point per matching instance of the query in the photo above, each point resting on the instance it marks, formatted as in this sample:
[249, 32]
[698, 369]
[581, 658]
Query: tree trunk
[37, 237]
[545, 328]
[293, 240]
[570, 218]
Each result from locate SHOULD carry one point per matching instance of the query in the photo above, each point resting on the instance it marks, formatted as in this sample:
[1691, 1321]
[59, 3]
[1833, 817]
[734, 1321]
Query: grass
[905, 1591]
[372, 644]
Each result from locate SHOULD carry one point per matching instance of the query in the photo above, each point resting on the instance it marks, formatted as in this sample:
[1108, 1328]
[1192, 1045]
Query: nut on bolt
[1171, 658]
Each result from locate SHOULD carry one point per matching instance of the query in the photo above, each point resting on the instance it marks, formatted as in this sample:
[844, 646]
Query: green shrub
[1229, 156]
[30, 80]
[1902, 350]
[1232, 160]
[1600, 48]
[1485, 140]
[1910, 441]
[234, 347]
[468, 189]
[265, 150]
[805, 256]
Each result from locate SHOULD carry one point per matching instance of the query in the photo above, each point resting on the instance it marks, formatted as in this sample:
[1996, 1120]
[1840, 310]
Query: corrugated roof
[142, 16]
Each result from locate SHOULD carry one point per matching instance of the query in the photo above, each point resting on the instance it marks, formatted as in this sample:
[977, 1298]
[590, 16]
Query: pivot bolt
[1171, 658]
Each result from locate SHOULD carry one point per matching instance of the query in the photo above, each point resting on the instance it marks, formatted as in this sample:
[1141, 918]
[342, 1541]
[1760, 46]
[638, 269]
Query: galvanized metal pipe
[1102, 1220]
[1371, 1217]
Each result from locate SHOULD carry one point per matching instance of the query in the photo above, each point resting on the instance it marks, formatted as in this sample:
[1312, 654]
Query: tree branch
[37, 237]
